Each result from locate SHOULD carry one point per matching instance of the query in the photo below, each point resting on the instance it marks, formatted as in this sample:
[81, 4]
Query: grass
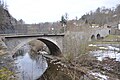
[105, 42]
[110, 39]
[5, 74]
[113, 37]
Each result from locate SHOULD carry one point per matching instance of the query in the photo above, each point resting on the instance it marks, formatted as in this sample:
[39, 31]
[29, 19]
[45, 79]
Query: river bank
[6, 63]
[101, 62]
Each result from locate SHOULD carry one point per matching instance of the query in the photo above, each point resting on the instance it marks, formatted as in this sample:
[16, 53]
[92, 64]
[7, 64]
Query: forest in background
[102, 16]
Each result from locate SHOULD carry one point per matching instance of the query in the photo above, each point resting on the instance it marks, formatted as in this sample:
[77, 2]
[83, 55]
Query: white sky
[35, 11]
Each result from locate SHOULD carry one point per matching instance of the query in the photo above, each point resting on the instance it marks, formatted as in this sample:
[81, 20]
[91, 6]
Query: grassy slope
[110, 39]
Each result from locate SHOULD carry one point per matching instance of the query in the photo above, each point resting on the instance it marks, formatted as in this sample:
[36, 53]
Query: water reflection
[30, 65]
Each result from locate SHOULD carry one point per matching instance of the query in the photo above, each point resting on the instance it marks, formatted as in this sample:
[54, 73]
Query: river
[29, 65]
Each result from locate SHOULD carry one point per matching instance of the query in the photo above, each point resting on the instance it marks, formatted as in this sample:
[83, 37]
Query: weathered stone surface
[3, 47]
[7, 22]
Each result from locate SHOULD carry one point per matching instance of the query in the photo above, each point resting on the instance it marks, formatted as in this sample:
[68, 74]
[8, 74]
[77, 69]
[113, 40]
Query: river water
[30, 66]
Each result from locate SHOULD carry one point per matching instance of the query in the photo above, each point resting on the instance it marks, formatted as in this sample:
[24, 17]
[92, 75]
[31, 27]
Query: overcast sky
[35, 11]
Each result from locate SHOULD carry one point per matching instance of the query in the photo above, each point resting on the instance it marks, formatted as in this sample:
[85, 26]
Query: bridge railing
[25, 30]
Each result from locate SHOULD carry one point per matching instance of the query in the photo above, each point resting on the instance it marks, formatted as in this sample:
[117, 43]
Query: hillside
[102, 16]
[7, 22]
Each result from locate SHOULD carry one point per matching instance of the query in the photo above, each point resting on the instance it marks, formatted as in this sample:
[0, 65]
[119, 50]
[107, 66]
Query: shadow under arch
[98, 36]
[93, 37]
[52, 46]
[109, 31]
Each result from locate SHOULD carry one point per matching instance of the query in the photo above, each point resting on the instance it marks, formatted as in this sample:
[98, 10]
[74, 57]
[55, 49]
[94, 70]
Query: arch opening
[53, 47]
[109, 31]
[98, 36]
[93, 37]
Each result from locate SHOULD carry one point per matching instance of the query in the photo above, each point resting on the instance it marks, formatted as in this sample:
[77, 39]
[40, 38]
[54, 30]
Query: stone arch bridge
[99, 33]
[53, 42]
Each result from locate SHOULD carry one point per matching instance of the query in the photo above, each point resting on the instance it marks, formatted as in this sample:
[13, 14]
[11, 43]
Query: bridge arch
[93, 37]
[109, 31]
[54, 48]
[98, 36]
[52, 45]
